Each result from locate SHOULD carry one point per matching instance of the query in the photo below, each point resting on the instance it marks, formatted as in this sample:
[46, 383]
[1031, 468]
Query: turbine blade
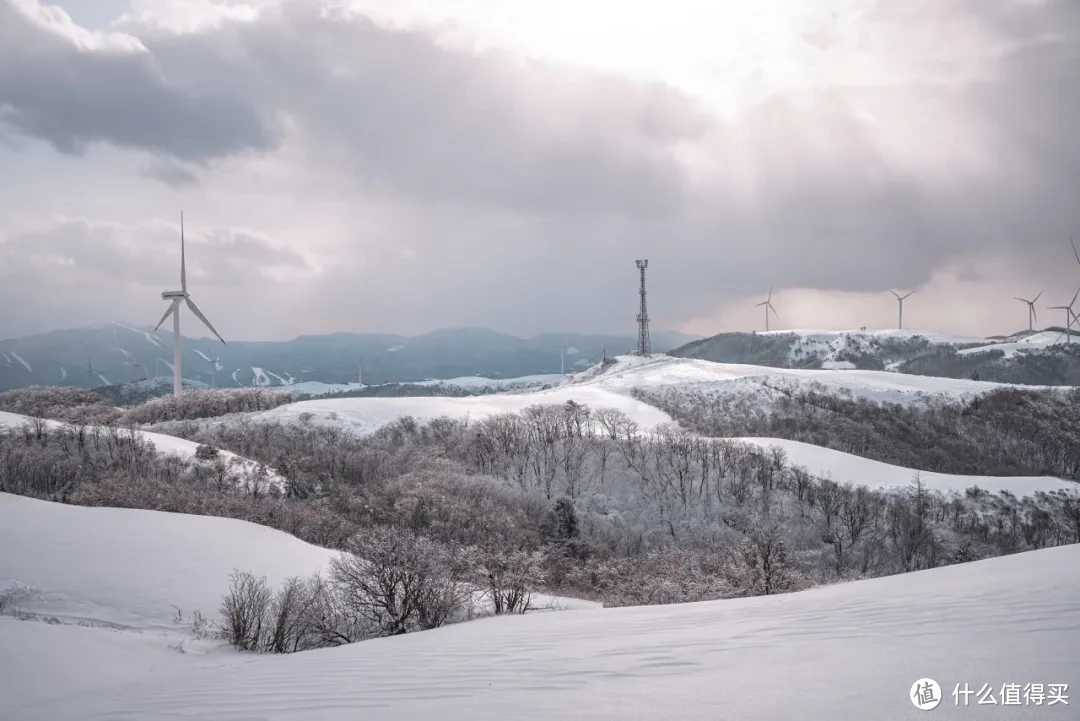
[773, 310]
[764, 302]
[198, 314]
[171, 309]
[183, 264]
[1022, 300]
[908, 295]
[1038, 296]
[1034, 314]
[1073, 244]
[770, 292]
[895, 293]
[1075, 296]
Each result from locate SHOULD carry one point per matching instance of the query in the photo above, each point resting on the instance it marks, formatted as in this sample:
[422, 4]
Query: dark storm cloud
[73, 94]
[402, 114]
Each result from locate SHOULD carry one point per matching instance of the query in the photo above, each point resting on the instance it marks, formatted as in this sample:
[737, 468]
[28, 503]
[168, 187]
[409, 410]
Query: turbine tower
[176, 296]
[1069, 315]
[644, 345]
[213, 361]
[900, 299]
[1032, 318]
[768, 306]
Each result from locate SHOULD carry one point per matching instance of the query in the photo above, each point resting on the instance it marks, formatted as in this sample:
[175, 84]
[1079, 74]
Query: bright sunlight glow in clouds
[401, 166]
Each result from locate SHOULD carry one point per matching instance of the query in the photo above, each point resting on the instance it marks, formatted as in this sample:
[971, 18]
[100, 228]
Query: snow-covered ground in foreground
[847, 652]
[163, 443]
[135, 568]
[845, 467]
[1033, 342]
[124, 575]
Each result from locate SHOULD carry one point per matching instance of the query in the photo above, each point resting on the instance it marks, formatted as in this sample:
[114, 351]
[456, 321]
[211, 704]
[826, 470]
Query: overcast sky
[418, 164]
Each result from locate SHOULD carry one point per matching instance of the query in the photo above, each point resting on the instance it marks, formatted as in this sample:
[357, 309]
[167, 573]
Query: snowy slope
[663, 372]
[474, 383]
[611, 387]
[845, 467]
[163, 443]
[365, 415]
[132, 567]
[1033, 342]
[848, 652]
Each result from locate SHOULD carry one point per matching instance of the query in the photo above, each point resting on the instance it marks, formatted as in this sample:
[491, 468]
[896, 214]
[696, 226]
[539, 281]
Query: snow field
[847, 652]
[845, 467]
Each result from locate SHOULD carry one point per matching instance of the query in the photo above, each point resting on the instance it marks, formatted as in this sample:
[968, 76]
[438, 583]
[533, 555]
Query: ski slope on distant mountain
[163, 443]
[848, 652]
[845, 467]
[19, 358]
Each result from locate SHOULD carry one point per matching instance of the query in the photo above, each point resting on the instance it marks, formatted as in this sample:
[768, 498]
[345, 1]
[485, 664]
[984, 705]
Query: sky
[401, 167]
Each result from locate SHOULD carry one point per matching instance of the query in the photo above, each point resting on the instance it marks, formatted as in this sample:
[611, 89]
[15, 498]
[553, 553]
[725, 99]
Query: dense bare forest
[563, 499]
[1004, 432]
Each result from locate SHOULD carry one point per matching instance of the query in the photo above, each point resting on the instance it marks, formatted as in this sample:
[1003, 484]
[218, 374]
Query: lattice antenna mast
[644, 344]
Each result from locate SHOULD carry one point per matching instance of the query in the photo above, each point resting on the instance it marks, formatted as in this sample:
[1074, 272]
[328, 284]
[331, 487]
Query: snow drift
[847, 652]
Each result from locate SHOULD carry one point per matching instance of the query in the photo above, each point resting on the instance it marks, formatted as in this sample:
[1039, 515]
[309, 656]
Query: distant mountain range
[1033, 358]
[117, 353]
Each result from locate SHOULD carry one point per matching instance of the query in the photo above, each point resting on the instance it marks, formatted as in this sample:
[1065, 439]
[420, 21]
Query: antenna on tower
[644, 345]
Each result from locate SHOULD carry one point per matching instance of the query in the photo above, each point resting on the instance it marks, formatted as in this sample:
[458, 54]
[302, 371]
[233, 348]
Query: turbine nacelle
[171, 294]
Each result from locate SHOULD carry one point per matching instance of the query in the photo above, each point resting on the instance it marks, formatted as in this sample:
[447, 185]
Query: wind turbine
[1069, 315]
[213, 369]
[1032, 318]
[768, 306]
[900, 299]
[176, 296]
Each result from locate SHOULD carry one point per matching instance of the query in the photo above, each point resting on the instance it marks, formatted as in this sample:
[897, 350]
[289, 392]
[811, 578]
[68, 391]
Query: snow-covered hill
[1031, 358]
[1011, 346]
[162, 443]
[845, 468]
[670, 373]
[867, 349]
[468, 383]
[365, 415]
[843, 653]
[611, 385]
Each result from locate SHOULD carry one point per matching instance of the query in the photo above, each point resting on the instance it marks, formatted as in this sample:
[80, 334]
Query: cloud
[422, 184]
[171, 173]
[71, 271]
[73, 87]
